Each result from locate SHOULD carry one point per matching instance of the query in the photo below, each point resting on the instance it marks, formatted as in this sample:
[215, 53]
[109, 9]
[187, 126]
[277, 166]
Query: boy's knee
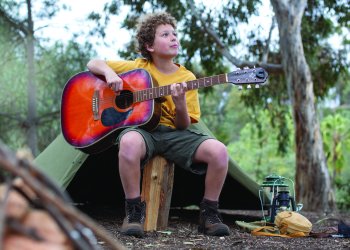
[131, 144]
[220, 154]
[222, 157]
[131, 139]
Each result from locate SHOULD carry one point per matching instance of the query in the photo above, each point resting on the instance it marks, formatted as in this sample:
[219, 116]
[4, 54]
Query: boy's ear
[149, 48]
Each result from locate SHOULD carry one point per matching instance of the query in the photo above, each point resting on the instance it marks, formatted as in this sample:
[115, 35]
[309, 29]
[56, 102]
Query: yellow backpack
[292, 223]
[287, 224]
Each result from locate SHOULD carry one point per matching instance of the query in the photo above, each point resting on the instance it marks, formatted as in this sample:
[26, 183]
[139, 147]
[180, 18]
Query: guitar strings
[131, 94]
[165, 90]
[157, 89]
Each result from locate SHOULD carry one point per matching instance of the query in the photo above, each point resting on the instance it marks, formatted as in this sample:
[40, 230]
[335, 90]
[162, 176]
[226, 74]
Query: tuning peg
[240, 87]
[257, 86]
[236, 69]
[248, 86]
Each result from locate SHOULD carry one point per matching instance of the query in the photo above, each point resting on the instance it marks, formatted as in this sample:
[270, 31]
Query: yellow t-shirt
[181, 75]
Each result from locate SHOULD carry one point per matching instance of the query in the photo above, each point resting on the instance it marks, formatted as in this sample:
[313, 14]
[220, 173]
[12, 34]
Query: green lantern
[275, 196]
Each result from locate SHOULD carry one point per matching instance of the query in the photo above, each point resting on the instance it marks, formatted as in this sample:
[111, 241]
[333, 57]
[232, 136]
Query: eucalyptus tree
[210, 37]
[312, 169]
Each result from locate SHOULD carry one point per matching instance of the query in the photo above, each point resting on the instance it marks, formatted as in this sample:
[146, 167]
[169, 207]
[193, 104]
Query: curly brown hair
[146, 30]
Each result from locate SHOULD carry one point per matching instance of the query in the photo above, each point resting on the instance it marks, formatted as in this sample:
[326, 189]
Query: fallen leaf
[165, 232]
[188, 243]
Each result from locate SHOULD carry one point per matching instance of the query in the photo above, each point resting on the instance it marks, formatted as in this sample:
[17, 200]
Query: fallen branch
[41, 191]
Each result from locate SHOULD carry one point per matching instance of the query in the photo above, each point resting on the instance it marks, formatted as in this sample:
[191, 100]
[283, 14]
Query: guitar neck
[157, 92]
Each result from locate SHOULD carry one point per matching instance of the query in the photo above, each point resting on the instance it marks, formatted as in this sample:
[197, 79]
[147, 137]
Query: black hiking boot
[135, 211]
[210, 221]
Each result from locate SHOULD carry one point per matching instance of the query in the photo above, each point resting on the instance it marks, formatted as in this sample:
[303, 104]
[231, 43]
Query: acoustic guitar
[92, 114]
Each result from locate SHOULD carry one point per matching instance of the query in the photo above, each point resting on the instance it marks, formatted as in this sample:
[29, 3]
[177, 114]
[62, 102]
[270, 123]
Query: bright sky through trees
[73, 20]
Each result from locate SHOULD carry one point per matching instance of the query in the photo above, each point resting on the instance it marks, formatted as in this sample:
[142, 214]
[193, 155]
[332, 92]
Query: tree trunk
[32, 139]
[313, 186]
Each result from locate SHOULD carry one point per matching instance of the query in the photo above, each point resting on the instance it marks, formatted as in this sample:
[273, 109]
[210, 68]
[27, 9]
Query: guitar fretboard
[156, 92]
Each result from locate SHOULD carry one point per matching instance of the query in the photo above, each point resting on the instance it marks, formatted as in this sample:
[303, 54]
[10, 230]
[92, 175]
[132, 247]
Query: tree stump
[157, 187]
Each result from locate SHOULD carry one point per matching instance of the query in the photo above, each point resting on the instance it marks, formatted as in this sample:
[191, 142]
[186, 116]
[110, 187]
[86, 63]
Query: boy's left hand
[178, 91]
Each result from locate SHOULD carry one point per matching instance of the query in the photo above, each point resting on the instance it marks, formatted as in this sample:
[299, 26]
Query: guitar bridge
[95, 104]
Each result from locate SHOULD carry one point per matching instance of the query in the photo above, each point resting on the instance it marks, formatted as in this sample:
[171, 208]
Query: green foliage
[273, 97]
[222, 109]
[343, 89]
[54, 66]
[13, 90]
[336, 140]
[328, 64]
[342, 192]
[256, 150]
[336, 134]
[343, 186]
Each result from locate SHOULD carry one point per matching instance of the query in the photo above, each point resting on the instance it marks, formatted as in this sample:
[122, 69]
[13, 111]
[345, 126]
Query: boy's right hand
[114, 81]
[100, 67]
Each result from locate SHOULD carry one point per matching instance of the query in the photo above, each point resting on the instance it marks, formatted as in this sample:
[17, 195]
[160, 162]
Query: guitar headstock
[256, 76]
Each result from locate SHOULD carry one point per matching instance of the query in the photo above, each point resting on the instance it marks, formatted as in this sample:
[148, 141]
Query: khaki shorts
[178, 146]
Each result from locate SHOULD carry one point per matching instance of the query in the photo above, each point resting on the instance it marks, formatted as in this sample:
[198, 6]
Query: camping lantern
[275, 197]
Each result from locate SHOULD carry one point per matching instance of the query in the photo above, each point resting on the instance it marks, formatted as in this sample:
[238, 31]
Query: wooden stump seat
[157, 187]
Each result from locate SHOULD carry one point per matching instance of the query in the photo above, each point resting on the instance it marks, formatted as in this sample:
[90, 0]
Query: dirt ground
[182, 233]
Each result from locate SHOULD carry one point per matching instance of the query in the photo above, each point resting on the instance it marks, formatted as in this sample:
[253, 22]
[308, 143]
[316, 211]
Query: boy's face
[165, 42]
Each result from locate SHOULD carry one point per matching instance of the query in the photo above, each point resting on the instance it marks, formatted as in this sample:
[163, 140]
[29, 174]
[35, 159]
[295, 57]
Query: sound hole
[124, 99]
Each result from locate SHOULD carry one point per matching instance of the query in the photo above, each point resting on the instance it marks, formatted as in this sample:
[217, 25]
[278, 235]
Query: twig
[2, 211]
[266, 51]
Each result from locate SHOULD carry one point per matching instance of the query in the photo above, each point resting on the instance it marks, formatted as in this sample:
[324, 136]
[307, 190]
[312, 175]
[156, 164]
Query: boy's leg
[132, 149]
[214, 153]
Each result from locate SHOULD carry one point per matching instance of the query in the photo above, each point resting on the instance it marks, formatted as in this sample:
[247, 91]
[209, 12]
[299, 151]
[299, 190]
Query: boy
[199, 153]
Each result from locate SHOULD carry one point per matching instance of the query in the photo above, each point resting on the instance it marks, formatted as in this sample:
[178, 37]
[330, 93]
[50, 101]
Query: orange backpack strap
[268, 231]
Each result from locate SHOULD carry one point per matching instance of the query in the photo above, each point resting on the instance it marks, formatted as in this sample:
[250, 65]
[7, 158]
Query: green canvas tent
[95, 179]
